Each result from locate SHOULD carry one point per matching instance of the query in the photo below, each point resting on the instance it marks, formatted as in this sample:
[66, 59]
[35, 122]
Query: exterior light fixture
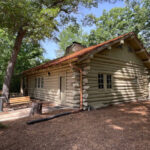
[49, 73]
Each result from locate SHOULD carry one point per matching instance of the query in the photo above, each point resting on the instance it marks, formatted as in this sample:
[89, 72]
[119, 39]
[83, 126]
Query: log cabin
[115, 71]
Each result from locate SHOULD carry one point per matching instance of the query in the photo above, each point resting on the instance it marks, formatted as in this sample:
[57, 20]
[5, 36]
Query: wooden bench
[19, 100]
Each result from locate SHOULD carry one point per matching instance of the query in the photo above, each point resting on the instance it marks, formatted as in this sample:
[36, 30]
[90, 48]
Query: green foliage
[38, 17]
[32, 20]
[111, 24]
[5, 51]
[69, 35]
[31, 54]
[134, 17]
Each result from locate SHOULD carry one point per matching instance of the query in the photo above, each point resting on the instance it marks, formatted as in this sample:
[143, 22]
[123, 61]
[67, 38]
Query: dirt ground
[123, 127]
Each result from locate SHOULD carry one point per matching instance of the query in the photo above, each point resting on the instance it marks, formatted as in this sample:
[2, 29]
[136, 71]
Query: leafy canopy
[135, 16]
[31, 54]
[68, 36]
[38, 17]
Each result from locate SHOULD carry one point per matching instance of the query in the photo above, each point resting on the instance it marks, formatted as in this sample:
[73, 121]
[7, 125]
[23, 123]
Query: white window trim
[105, 81]
[38, 84]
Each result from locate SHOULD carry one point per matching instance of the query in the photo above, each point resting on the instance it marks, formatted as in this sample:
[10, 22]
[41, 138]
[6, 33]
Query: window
[100, 81]
[42, 82]
[38, 82]
[104, 81]
[109, 81]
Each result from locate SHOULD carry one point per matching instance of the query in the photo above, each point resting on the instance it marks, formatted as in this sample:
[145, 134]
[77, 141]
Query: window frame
[99, 81]
[109, 83]
[105, 83]
[39, 82]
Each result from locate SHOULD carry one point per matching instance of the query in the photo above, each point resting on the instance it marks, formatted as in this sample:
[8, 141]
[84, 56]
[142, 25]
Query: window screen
[109, 81]
[100, 81]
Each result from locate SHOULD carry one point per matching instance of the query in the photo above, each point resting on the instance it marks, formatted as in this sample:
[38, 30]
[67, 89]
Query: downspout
[81, 85]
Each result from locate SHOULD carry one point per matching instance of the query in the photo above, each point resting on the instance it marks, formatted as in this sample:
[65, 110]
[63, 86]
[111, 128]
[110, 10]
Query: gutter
[81, 85]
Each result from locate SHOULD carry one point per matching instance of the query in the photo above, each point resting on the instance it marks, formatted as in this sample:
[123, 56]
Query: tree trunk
[11, 63]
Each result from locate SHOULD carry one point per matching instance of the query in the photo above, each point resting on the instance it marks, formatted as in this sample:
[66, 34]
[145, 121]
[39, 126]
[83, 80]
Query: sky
[50, 46]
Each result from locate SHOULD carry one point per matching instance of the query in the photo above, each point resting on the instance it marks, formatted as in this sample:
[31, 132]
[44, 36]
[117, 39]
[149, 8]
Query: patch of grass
[2, 126]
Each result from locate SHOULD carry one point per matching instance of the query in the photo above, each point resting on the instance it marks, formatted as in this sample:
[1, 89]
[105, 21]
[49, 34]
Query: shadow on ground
[123, 127]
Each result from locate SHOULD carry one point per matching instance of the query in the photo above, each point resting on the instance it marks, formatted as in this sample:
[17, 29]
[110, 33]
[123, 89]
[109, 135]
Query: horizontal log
[105, 96]
[124, 88]
[100, 104]
[86, 68]
[118, 71]
[133, 72]
[86, 87]
[112, 98]
[101, 66]
[100, 60]
[117, 60]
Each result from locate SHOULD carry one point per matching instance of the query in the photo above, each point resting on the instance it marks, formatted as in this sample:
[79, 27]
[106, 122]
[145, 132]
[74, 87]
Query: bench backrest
[19, 100]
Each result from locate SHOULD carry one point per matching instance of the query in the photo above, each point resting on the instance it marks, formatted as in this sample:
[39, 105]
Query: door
[62, 90]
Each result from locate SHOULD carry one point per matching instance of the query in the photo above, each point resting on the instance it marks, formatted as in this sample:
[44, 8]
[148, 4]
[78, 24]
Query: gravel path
[123, 127]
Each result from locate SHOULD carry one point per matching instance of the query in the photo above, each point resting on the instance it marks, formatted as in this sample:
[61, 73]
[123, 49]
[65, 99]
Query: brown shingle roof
[77, 54]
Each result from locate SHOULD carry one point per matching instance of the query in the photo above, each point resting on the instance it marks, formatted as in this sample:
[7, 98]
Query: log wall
[129, 78]
[51, 89]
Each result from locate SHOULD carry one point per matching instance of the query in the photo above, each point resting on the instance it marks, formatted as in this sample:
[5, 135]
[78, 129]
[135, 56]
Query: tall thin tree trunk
[12, 62]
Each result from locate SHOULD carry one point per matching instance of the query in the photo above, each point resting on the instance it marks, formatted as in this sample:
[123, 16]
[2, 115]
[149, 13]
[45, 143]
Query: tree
[141, 19]
[68, 35]
[5, 50]
[134, 17]
[33, 20]
[111, 24]
[31, 54]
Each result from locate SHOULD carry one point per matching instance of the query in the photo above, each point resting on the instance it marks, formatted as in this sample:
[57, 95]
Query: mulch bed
[122, 127]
